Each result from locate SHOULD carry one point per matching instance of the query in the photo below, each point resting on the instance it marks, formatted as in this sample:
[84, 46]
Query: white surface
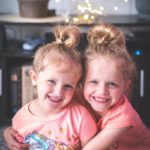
[18, 19]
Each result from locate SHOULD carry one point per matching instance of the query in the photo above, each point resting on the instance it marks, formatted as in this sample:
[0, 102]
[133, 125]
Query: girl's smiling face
[55, 86]
[104, 84]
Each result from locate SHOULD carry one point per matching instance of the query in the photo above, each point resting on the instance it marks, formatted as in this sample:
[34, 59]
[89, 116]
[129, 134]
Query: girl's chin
[99, 108]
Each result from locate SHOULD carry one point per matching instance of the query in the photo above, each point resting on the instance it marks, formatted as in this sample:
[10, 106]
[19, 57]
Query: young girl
[109, 74]
[55, 120]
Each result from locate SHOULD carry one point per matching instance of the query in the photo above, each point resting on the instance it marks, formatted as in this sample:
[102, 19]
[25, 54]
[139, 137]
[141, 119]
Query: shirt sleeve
[120, 117]
[88, 127]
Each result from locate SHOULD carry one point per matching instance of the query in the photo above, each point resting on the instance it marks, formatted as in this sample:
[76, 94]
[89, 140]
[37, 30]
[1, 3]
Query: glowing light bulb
[76, 19]
[66, 20]
[101, 8]
[92, 17]
[86, 17]
[57, 1]
[116, 8]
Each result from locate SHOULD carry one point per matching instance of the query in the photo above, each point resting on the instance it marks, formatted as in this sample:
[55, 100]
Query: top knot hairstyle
[63, 48]
[106, 38]
[105, 34]
[68, 36]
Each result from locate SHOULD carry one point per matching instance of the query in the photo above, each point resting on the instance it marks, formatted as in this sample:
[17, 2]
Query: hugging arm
[11, 142]
[105, 138]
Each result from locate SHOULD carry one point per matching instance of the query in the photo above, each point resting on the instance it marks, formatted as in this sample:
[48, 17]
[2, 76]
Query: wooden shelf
[16, 19]
[119, 20]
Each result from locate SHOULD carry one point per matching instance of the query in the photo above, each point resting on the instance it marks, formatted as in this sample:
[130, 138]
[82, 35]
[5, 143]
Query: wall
[63, 7]
[70, 6]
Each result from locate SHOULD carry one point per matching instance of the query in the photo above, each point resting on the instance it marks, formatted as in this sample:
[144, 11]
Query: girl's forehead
[106, 66]
[62, 70]
[62, 62]
[62, 65]
[55, 57]
[102, 59]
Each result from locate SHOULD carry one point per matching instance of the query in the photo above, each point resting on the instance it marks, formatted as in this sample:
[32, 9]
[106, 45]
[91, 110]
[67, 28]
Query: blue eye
[94, 82]
[68, 86]
[51, 81]
[112, 84]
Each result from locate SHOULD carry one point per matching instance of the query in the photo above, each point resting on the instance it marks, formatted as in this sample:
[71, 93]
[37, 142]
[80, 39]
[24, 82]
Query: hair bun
[67, 35]
[105, 35]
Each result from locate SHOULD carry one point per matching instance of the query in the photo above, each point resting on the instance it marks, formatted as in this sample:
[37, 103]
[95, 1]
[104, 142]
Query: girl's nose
[102, 89]
[58, 91]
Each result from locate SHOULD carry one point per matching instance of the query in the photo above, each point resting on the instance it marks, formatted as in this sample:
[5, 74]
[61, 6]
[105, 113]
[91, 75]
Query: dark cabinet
[3, 89]
[9, 83]
[139, 49]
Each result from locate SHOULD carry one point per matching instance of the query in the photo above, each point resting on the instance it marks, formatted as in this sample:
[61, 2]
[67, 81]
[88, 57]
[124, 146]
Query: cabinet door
[3, 90]
[141, 98]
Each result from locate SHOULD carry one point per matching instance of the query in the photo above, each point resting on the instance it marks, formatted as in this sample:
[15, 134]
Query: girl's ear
[33, 77]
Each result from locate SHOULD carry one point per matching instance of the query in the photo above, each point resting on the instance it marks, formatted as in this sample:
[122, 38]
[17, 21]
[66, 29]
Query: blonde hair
[108, 40]
[64, 47]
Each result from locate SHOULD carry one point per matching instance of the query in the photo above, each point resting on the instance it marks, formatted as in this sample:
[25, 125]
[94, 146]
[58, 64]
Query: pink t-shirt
[65, 130]
[123, 115]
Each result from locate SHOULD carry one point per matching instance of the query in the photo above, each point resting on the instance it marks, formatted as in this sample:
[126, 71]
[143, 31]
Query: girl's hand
[12, 143]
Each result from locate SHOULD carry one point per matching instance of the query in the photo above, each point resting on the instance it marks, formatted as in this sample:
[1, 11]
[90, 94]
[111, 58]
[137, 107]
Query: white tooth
[100, 99]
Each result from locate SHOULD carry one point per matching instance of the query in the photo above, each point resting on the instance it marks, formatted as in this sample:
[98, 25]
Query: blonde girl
[109, 75]
[54, 120]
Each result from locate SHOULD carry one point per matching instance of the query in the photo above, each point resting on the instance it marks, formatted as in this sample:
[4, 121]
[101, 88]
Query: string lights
[87, 13]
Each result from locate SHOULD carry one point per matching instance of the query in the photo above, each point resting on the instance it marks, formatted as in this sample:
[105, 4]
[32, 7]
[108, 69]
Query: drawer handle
[142, 83]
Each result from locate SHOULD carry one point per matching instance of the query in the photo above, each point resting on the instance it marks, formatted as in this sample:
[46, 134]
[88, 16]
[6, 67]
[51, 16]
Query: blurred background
[69, 7]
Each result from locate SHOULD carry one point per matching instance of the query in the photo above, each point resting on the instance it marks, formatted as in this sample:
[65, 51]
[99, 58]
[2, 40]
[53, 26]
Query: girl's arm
[104, 139]
[10, 139]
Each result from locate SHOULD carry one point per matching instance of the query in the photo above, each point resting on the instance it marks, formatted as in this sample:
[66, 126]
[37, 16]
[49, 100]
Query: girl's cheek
[86, 92]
